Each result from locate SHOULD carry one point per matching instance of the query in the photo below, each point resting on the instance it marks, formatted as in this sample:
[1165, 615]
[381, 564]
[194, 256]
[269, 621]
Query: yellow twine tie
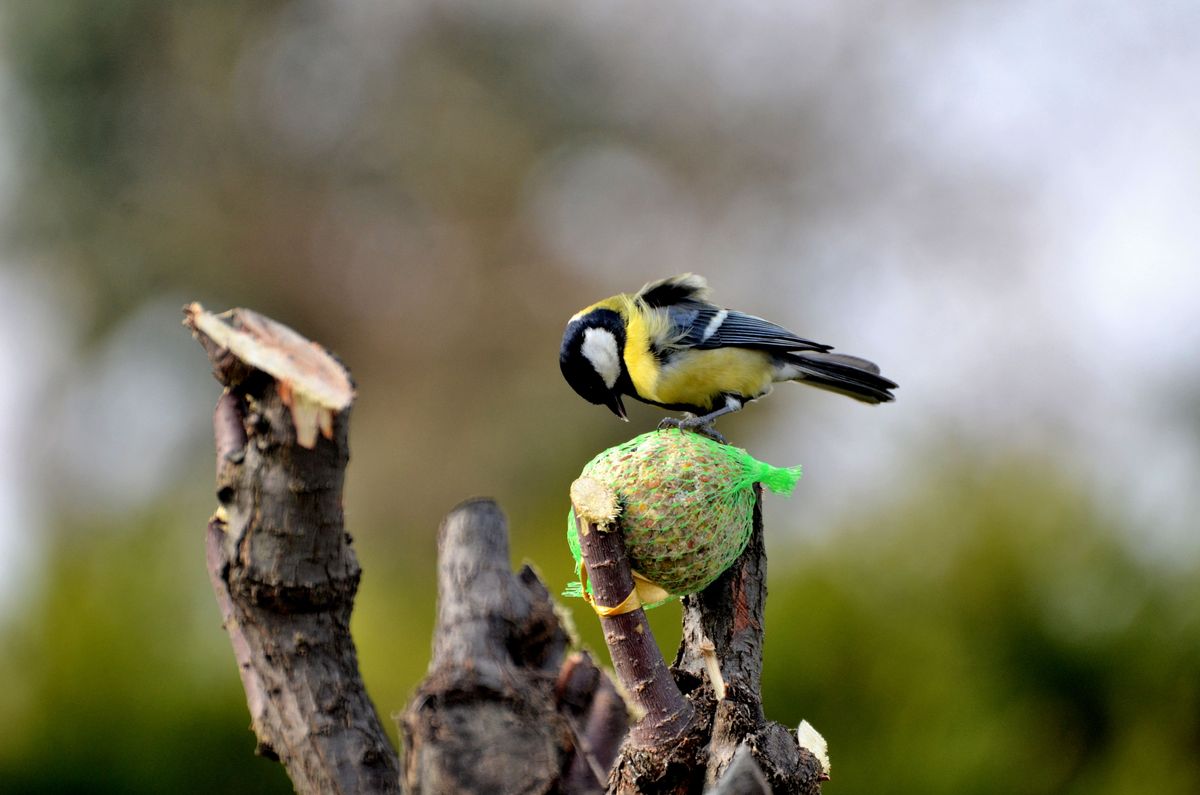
[627, 605]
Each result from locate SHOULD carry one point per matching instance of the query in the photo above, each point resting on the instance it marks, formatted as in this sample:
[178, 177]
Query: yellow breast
[698, 377]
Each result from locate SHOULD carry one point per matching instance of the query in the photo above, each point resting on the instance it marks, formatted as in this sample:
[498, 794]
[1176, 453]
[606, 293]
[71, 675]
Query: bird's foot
[700, 425]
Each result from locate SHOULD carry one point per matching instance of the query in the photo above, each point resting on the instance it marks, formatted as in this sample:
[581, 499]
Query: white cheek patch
[600, 348]
[714, 324]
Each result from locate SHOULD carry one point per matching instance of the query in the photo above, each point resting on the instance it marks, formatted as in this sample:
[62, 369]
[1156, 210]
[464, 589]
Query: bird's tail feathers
[841, 373]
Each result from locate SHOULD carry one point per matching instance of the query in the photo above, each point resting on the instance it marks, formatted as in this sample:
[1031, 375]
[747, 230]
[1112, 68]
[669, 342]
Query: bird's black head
[592, 358]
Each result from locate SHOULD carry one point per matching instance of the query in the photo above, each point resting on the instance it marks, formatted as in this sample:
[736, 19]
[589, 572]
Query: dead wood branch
[725, 622]
[504, 708]
[279, 558]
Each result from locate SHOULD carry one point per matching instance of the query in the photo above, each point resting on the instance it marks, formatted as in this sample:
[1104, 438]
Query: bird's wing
[701, 325]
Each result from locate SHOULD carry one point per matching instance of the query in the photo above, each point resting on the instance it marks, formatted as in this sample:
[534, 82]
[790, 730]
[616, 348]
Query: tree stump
[279, 558]
[506, 705]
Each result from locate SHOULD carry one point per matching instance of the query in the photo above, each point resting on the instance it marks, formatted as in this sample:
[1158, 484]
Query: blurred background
[989, 586]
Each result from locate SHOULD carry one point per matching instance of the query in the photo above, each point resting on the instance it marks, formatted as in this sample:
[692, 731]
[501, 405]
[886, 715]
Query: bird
[666, 345]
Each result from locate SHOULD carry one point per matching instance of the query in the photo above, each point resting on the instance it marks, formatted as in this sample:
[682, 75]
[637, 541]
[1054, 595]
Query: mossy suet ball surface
[686, 505]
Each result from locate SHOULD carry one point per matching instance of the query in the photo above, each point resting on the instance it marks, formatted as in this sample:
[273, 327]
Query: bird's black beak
[614, 403]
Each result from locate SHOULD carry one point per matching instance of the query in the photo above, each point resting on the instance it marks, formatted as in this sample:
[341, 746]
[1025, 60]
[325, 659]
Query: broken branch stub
[731, 746]
[726, 620]
[311, 383]
[278, 556]
[664, 715]
[504, 708]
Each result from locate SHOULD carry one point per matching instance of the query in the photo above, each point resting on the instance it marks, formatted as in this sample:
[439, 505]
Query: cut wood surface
[283, 570]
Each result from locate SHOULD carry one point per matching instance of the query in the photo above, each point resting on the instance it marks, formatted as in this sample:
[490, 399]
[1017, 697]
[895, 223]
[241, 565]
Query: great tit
[667, 346]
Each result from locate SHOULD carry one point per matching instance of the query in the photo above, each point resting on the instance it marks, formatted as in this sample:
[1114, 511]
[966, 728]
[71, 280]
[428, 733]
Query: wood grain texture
[729, 615]
[665, 713]
[285, 575]
[504, 708]
[724, 620]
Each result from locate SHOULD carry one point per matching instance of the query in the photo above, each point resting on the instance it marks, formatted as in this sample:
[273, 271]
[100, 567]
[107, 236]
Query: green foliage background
[991, 627]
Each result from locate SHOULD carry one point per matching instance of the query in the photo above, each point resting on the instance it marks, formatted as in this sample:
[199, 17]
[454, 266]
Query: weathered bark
[281, 564]
[600, 728]
[725, 622]
[665, 714]
[743, 776]
[503, 709]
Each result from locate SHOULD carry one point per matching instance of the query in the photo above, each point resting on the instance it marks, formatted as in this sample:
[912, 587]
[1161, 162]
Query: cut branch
[280, 561]
[664, 713]
[726, 619]
[503, 708]
[718, 667]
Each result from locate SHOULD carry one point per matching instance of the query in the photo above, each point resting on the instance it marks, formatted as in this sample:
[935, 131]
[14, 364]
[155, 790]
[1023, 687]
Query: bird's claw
[695, 425]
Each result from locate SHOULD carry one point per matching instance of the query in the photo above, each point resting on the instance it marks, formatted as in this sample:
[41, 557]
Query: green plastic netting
[687, 506]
